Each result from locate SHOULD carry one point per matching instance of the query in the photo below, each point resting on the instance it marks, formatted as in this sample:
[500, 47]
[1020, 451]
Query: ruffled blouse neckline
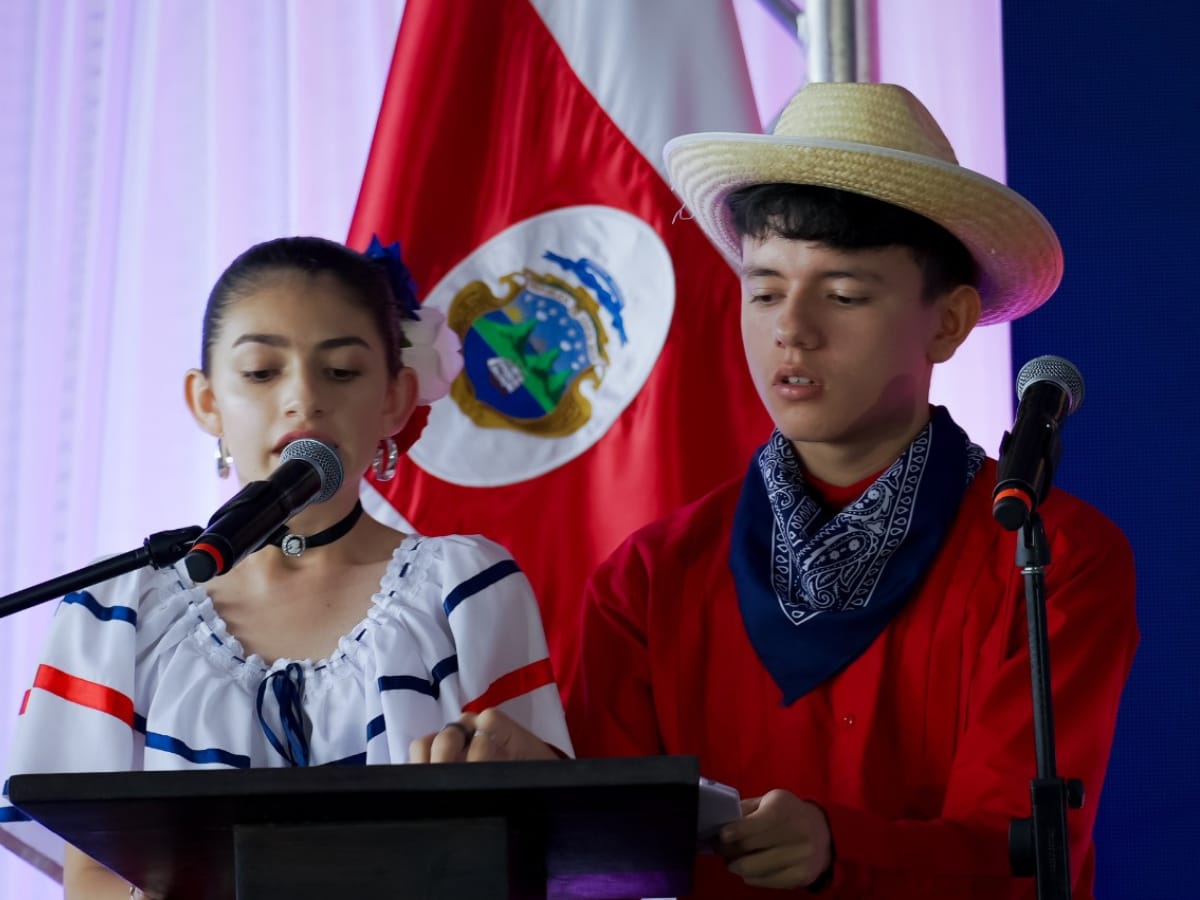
[221, 646]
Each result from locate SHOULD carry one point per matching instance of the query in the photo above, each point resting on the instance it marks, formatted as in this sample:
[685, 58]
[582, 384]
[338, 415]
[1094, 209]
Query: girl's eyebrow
[278, 340]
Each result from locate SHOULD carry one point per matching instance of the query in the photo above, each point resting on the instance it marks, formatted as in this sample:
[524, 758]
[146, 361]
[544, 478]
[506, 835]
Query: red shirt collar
[836, 497]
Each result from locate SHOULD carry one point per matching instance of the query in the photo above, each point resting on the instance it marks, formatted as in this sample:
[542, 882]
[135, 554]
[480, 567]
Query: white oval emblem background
[452, 447]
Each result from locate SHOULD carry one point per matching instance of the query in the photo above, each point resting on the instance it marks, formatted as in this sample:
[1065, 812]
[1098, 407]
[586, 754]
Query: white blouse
[141, 673]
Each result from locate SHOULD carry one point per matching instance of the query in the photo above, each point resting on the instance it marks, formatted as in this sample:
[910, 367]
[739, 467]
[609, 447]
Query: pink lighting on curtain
[948, 53]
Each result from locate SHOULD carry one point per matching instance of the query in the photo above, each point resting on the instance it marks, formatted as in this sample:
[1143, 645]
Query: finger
[779, 832]
[770, 862]
[792, 877]
[510, 740]
[754, 843]
[483, 747]
[450, 744]
[496, 734]
[755, 820]
[419, 749]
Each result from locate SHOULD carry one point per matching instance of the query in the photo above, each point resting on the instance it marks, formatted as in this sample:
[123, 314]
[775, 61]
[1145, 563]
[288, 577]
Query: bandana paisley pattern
[819, 568]
[789, 556]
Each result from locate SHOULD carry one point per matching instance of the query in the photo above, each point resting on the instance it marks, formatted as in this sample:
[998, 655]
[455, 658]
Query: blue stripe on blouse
[408, 683]
[477, 583]
[445, 668]
[355, 759]
[168, 744]
[103, 613]
[376, 727]
[430, 688]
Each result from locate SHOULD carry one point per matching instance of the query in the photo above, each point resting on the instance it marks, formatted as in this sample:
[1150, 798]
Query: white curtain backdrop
[144, 143]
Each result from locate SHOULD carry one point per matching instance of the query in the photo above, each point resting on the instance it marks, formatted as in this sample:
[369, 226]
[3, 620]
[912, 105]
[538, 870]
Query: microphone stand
[1038, 846]
[159, 550]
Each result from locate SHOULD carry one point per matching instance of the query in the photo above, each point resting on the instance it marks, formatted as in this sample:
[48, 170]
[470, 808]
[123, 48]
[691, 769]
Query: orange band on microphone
[1013, 492]
[214, 553]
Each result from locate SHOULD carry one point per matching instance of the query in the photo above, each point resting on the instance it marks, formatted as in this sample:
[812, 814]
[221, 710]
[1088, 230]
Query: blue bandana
[816, 590]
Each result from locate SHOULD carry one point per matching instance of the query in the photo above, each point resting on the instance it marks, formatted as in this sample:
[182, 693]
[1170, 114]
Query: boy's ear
[202, 402]
[958, 313]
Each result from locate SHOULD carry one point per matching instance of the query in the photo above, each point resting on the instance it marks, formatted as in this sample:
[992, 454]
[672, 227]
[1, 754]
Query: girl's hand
[490, 735]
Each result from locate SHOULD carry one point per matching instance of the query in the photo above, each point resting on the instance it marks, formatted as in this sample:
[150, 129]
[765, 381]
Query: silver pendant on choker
[293, 545]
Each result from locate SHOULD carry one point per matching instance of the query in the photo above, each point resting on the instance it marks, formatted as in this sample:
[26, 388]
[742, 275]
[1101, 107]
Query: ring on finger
[467, 734]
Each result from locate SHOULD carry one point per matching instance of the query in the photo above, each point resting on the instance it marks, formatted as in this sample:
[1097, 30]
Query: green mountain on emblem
[510, 342]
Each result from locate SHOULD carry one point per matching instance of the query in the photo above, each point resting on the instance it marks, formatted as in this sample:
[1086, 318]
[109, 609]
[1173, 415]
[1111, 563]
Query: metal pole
[864, 32]
[839, 40]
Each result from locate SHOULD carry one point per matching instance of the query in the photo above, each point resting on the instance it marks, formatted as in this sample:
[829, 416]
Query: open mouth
[300, 435]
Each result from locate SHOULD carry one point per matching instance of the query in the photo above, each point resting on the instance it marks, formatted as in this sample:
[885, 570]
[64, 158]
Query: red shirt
[836, 497]
[922, 749]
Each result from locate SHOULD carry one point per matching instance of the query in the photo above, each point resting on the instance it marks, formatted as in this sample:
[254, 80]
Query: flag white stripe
[633, 55]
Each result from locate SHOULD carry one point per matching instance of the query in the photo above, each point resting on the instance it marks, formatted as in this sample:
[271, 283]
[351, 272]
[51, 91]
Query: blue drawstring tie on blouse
[288, 687]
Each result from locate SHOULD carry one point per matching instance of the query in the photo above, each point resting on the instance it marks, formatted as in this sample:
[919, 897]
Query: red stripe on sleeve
[85, 693]
[514, 684]
[24, 703]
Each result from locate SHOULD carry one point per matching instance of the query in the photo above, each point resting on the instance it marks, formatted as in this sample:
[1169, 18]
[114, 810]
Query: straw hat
[877, 140]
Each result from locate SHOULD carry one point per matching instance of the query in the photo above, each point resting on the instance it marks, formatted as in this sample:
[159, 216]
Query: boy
[842, 635]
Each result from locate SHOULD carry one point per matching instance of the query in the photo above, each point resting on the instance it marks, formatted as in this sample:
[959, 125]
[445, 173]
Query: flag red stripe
[514, 684]
[485, 124]
[84, 692]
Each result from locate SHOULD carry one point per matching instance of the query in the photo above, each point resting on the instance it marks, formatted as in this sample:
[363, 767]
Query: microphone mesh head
[1057, 370]
[323, 458]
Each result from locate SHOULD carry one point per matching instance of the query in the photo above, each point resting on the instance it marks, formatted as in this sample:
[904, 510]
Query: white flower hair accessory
[434, 352]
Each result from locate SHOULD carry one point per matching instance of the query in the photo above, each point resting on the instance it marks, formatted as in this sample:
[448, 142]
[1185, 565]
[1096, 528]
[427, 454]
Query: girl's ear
[202, 402]
[958, 313]
[399, 402]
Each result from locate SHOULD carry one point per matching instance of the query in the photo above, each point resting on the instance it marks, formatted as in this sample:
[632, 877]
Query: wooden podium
[571, 828]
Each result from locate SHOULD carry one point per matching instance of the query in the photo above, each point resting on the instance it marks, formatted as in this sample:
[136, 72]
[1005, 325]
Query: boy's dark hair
[803, 212]
[366, 278]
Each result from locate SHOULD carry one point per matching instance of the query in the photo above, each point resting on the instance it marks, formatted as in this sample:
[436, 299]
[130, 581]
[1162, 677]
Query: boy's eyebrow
[860, 274]
[759, 272]
[278, 340]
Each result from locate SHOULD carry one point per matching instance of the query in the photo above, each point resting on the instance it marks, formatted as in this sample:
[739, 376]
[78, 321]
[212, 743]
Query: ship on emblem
[528, 353]
[507, 376]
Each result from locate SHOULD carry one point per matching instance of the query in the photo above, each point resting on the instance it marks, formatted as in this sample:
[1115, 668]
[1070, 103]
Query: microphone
[1048, 390]
[309, 472]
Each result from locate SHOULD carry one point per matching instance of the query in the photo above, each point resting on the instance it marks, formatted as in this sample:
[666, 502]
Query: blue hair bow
[401, 280]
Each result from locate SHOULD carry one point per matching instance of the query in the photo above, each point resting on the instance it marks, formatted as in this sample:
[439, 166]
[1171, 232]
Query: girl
[361, 648]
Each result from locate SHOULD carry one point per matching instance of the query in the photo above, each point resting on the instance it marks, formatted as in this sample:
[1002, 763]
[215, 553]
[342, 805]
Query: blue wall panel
[1103, 120]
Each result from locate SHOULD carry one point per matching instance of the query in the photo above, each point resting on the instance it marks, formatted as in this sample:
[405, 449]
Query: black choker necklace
[294, 545]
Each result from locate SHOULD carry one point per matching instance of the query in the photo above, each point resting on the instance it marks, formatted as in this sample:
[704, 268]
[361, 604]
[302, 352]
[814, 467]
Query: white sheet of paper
[719, 805]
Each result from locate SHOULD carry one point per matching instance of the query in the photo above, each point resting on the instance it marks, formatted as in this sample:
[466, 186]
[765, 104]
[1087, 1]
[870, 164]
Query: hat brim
[1018, 254]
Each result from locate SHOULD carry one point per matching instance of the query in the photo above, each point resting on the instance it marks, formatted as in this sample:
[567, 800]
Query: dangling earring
[224, 459]
[387, 454]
